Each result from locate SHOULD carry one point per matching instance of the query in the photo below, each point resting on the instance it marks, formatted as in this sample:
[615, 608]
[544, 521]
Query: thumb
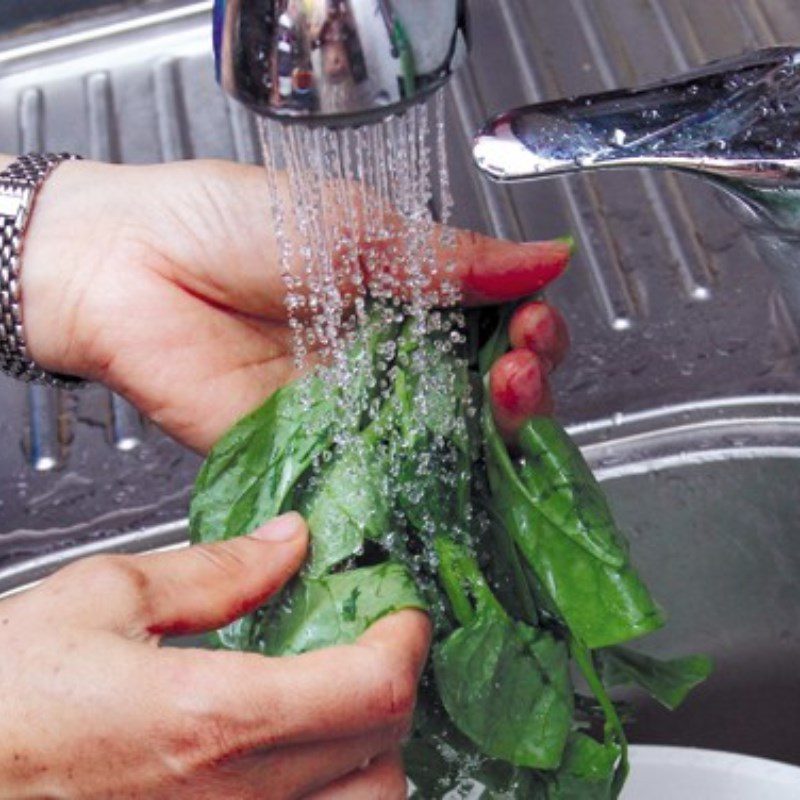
[210, 585]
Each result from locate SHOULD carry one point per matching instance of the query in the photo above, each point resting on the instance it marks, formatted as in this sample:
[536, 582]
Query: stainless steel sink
[683, 385]
[708, 496]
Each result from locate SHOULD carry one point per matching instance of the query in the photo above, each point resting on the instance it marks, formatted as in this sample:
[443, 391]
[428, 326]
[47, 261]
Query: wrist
[73, 233]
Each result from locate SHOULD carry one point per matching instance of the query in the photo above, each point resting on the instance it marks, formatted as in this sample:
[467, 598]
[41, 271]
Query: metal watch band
[19, 186]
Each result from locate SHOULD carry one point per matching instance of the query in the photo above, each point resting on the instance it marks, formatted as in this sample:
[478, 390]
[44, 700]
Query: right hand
[92, 708]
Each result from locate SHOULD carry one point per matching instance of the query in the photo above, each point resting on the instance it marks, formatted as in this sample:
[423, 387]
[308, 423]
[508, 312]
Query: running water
[351, 204]
[356, 215]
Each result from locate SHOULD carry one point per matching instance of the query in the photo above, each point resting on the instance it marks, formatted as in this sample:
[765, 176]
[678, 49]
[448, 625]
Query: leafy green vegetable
[552, 507]
[414, 501]
[347, 503]
[566, 492]
[507, 687]
[587, 771]
[337, 609]
[444, 762]
[669, 682]
[432, 441]
[614, 734]
[251, 472]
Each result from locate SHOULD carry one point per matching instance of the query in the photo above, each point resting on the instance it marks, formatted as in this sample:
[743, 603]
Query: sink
[707, 496]
[682, 388]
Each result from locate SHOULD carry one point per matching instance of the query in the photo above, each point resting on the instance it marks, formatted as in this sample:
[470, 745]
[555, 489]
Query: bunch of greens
[414, 501]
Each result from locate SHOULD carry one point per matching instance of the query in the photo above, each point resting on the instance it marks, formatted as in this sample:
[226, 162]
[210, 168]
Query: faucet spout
[733, 120]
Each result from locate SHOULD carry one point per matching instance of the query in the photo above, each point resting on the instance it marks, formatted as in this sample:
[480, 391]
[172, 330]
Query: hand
[93, 709]
[163, 282]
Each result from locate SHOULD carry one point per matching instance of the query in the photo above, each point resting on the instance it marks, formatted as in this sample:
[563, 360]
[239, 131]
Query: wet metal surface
[667, 300]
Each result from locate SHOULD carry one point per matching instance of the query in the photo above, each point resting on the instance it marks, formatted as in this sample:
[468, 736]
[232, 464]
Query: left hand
[91, 707]
[163, 282]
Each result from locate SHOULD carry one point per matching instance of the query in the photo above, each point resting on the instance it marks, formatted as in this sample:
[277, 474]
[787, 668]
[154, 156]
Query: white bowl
[682, 773]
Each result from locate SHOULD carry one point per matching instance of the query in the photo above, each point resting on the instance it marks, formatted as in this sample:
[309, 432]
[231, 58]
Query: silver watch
[19, 185]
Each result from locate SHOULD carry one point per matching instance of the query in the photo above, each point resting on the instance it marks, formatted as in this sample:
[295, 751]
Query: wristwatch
[19, 186]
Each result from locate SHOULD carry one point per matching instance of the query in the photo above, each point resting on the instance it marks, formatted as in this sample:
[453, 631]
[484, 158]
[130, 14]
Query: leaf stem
[613, 726]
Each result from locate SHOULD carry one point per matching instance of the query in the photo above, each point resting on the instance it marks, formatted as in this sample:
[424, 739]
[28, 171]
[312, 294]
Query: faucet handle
[737, 119]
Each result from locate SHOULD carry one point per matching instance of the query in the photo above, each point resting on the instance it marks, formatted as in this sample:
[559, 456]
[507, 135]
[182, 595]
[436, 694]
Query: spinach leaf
[587, 772]
[347, 503]
[669, 682]
[251, 472]
[442, 762]
[395, 459]
[614, 733]
[562, 485]
[602, 601]
[432, 442]
[337, 609]
[507, 687]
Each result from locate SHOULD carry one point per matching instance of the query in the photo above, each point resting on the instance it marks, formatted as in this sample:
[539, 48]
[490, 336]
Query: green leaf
[507, 687]
[562, 485]
[613, 731]
[238, 635]
[587, 772]
[432, 444]
[251, 472]
[323, 612]
[441, 762]
[669, 682]
[346, 504]
[574, 554]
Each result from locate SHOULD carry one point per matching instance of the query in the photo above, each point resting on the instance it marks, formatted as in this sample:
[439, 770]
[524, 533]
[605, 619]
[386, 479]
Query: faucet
[735, 123]
[337, 63]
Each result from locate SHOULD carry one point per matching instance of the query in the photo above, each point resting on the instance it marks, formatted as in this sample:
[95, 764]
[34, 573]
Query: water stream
[353, 206]
[357, 216]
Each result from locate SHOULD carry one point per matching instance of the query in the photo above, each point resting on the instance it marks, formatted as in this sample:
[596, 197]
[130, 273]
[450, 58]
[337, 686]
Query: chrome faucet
[337, 62]
[735, 123]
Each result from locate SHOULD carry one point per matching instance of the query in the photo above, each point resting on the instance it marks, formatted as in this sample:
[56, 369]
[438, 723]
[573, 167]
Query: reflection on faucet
[294, 84]
[342, 64]
[337, 62]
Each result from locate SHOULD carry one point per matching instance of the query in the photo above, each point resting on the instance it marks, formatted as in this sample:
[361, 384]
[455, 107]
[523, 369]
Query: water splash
[353, 208]
[356, 213]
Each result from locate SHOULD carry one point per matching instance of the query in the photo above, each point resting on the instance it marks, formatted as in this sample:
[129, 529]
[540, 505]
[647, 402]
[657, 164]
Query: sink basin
[674, 320]
[707, 496]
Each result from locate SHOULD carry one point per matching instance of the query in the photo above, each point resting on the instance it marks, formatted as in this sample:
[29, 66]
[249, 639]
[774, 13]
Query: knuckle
[197, 740]
[116, 580]
[225, 557]
[109, 573]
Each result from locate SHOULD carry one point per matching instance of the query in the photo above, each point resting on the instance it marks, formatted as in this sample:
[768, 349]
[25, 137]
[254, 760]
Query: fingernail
[281, 529]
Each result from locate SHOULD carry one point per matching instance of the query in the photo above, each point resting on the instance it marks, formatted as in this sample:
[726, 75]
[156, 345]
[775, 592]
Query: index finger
[253, 701]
